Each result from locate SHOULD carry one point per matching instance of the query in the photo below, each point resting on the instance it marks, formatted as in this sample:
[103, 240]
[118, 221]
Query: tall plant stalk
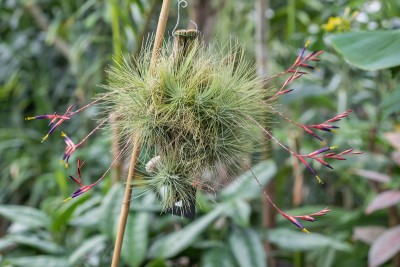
[162, 23]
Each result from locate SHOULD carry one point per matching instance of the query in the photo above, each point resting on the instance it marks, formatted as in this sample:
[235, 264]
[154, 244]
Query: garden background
[54, 54]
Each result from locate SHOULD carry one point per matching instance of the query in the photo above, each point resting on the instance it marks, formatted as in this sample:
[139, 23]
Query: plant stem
[162, 22]
[126, 203]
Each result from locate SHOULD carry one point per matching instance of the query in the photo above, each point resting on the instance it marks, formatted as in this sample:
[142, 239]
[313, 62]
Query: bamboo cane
[162, 22]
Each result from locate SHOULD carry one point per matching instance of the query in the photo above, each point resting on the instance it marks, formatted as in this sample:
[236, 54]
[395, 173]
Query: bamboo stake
[162, 23]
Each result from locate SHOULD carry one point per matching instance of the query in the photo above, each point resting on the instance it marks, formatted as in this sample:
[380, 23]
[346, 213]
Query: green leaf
[86, 248]
[88, 219]
[247, 247]
[63, 214]
[39, 261]
[37, 243]
[297, 241]
[369, 50]
[170, 245]
[157, 263]
[217, 257]
[136, 238]
[240, 212]
[110, 210]
[246, 187]
[28, 216]
[5, 243]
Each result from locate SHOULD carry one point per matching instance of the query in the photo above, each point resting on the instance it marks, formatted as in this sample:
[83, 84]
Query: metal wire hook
[183, 4]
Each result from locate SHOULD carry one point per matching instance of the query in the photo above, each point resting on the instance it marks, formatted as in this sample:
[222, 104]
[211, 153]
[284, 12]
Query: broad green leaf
[28, 216]
[217, 257]
[88, 246]
[136, 238]
[157, 263]
[240, 212]
[170, 245]
[39, 261]
[6, 243]
[297, 241]
[246, 187]
[37, 243]
[88, 219]
[247, 247]
[63, 214]
[369, 50]
[110, 210]
[384, 247]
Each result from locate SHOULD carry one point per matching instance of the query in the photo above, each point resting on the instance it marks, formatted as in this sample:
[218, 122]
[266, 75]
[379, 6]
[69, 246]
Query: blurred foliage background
[54, 54]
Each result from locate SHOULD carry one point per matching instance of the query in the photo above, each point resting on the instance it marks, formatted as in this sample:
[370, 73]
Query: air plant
[195, 107]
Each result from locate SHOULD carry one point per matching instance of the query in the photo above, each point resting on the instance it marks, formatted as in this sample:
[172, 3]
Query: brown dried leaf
[385, 247]
[383, 200]
[394, 139]
[373, 175]
[367, 234]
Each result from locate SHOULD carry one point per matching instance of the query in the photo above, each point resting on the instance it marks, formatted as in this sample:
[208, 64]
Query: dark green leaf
[40, 261]
[87, 247]
[37, 243]
[136, 238]
[247, 247]
[170, 245]
[240, 212]
[298, 241]
[369, 50]
[246, 187]
[217, 257]
[110, 210]
[28, 216]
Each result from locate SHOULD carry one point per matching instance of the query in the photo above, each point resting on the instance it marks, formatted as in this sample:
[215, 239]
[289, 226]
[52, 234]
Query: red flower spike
[71, 147]
[319, 151]
[83, 188]
[309, 167]
[54, 123]
[310, 217]
[293, 220]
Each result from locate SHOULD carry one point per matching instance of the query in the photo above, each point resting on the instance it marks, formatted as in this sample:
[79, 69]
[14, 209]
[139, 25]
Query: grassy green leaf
[369, 50]
[86, 248]
[136, 238]
[247, 247]
[28, 216]
[298, 241]
[39, 261]
[246, 187]
[217, 257]
[170, 245]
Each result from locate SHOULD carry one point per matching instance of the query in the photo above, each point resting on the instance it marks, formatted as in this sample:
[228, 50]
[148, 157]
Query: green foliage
[380, 46]
[38, 77]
